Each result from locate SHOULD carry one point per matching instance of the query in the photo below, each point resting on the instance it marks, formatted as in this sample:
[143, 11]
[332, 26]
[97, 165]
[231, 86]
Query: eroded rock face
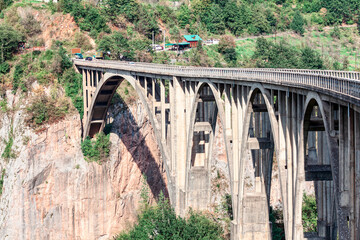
[50, 190]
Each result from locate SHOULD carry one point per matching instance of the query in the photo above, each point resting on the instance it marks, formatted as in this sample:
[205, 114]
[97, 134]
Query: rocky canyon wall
[51, 192]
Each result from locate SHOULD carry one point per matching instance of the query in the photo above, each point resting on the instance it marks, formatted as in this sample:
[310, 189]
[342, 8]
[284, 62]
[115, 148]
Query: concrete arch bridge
[308, 120]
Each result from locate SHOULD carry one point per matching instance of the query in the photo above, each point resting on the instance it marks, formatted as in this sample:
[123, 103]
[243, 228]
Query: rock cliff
[51, 192]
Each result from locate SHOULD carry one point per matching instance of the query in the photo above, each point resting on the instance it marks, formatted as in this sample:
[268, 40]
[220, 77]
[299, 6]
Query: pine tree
[297, 23]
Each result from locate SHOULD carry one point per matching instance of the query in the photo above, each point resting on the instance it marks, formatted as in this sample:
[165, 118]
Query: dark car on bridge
[88, 59]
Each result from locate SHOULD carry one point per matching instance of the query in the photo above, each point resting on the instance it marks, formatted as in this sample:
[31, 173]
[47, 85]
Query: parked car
[78, 56]
[88, 59]
[157, 47]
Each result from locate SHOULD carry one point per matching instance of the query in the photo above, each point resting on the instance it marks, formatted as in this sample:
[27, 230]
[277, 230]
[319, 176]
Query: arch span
[220, 106]
[101, 100]
[313, 99]
[260, 100]
[205, 130]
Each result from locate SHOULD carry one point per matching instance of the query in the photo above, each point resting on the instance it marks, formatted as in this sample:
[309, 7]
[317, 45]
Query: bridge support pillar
[178, 141]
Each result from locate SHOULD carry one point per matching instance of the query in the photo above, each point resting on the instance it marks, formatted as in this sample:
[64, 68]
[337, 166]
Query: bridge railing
[340, 82]
[333, 73]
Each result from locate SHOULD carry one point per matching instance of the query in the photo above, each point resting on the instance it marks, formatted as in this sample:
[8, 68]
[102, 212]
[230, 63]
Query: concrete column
[343, 158]
[85, 96]
[289, 171]
[351, 170]
[227, 111]
[335, 155]
[282, 159]
[153, 93]
[235, 144]
[172, 127]
[295, 139]
[180, 146]
[357, 173]
[163, 109]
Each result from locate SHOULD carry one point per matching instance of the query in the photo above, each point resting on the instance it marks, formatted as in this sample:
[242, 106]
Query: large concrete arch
[279, 150]
[119, 77]
[313, 99]
[220, 106]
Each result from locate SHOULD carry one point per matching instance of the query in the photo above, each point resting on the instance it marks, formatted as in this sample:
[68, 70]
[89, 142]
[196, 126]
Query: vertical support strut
[178, 124]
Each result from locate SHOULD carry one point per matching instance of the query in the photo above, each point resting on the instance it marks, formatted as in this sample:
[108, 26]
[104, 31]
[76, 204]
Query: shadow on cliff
[133, 138]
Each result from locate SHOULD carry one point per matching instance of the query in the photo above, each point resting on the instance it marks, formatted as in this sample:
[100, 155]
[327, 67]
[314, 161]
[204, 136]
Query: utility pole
[153, 41]
[164, 38]
[2, 52]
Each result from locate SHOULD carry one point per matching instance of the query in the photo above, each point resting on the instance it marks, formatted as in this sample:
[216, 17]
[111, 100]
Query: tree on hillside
[129, 8]
[118, 45]
[275, 55]
[4, 4]
[183, 15]
[214, 20]
[9, 40]
[297, 23]
[232, 17]
[310, 59]
[227, 48]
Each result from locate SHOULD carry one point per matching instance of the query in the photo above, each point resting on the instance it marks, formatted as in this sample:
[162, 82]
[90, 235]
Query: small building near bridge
[192, 39]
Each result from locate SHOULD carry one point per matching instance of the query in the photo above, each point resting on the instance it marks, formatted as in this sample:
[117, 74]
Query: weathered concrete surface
[51, 192]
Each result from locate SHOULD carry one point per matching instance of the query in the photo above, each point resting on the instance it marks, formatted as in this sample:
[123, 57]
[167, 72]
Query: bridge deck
[342, 84]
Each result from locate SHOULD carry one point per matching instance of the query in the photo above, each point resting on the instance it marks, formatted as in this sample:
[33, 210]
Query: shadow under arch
[312, 100]
[99, 106]
[277, 137]
[218, 112]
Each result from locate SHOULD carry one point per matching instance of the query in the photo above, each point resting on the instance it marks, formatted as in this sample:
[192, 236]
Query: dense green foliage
[227, 48]
[72, 83]
[9, 39]
[118, 45]
[282, 55]
[97, 149]
[123, 48]
[309, 213]
[161, 222]
[277, 221]
[4, 68]
[88, 17]
[211, 16]
[297, 23]
[4, 4]
[18, 80]
[44, 109]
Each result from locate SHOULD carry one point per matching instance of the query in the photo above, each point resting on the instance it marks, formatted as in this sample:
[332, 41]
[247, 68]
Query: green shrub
[282, 55]
[43, 77]
[72, 82]
[276, 218]
[4, 68]
[161, 222]
[309, 213]
[44, 109]
[335, 33]
[18, 81]
[97, 149]
[81, 41]
[3, 105]
[30, 26]
[297, 23]
[9, 39]
[2, 181]
[8, 152]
